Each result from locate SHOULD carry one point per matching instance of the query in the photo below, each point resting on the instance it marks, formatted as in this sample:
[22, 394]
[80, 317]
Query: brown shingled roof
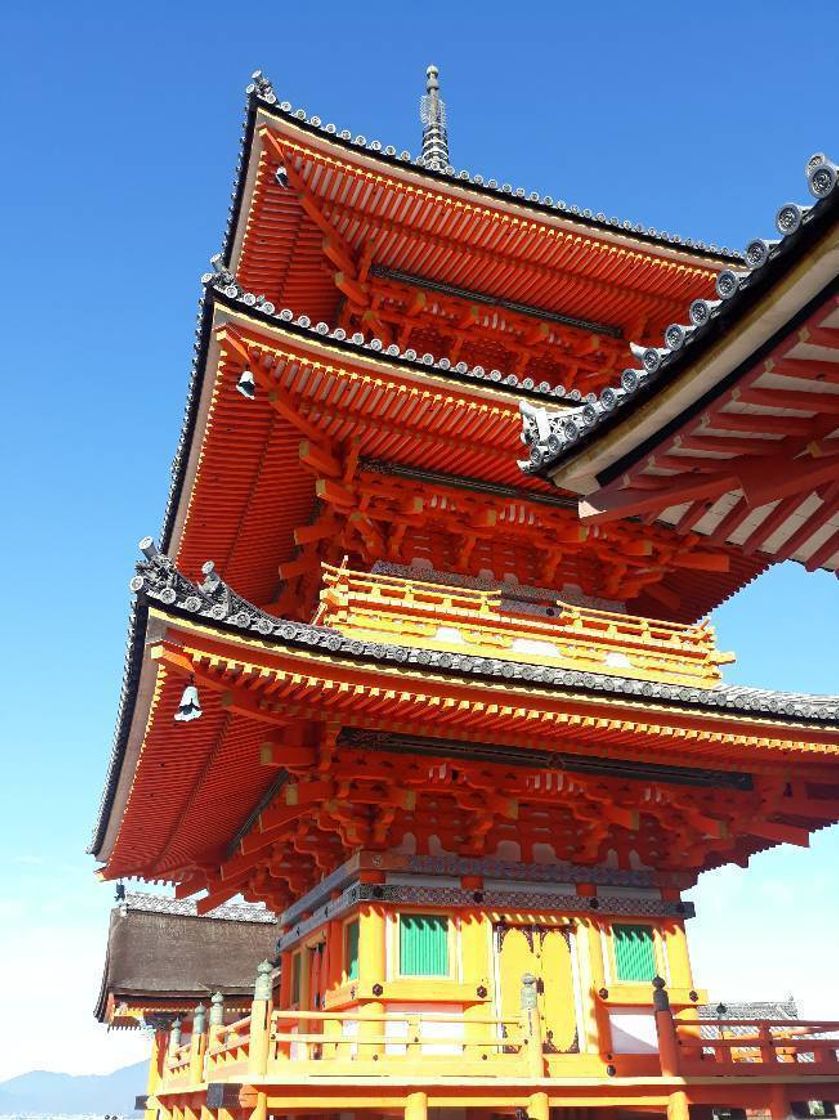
[160, 950]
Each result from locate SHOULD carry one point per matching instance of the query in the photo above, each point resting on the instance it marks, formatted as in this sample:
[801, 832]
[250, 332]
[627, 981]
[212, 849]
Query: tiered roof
[366, 343]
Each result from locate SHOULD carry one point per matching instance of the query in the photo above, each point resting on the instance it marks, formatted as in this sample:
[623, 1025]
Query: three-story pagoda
[457, 719]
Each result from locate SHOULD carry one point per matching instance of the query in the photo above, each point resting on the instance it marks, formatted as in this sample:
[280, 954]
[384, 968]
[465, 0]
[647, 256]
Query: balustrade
[374, 607]
[282, 1044]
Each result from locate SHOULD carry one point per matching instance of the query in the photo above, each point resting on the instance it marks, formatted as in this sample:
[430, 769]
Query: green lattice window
[351, 949]
[634, 952]
[423, 945]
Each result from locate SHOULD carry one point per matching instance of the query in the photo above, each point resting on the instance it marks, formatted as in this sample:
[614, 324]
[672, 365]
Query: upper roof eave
[296, 124]
[222, 292]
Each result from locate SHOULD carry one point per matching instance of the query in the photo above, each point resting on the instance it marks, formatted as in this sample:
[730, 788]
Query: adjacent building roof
[767, 264]
[729, 429]
[160, 952]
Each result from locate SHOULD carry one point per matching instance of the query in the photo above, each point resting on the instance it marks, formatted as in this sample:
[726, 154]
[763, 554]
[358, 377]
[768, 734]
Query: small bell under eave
[190, 705]
[246, 384]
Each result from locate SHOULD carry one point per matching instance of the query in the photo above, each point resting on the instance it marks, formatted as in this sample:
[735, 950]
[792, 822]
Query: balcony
[377, 608]
[401, 1064]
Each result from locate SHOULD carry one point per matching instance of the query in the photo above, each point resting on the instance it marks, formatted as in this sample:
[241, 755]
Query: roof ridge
[260, 91]
[144, 902]
[549, 436]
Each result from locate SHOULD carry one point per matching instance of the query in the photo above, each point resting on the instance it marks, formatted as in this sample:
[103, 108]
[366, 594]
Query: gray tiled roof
[551, 436]
[186, 908]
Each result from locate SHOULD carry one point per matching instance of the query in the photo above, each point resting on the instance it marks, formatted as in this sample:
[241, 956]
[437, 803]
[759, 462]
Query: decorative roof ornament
[435, 137]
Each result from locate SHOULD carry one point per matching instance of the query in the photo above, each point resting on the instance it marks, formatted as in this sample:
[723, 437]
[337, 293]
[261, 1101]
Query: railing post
[532, 1026]
[174, 1036]
[261, 1020]
[764, 1044]
[198, 1045]
[668, 1041]
[216, 1017]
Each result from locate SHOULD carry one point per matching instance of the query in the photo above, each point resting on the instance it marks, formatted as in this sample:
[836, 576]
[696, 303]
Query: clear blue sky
[120, 129]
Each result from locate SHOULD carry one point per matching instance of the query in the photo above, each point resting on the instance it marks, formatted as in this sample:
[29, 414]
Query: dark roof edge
[137, 624]
[214, 603]
[769, 264]
[730, 379]
[263, 96]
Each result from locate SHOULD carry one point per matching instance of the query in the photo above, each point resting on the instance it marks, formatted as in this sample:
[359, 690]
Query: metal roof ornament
[435, 137]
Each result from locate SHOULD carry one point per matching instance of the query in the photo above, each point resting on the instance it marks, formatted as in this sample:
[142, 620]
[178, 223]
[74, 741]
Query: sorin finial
[435, 138]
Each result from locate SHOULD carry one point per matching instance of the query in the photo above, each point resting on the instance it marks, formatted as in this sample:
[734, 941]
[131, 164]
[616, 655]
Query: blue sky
[120, 129]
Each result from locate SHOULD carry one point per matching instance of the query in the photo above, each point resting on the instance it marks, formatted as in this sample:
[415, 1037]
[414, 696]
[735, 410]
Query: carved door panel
[515, 948]
[544, 951]
[557, 1003]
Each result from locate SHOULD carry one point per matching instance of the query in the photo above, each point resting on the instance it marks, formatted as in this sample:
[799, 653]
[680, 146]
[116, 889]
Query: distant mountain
[54, 1093]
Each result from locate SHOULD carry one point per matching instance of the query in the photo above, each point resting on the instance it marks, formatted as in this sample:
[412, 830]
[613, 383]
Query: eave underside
[273, 724]
[335, 435]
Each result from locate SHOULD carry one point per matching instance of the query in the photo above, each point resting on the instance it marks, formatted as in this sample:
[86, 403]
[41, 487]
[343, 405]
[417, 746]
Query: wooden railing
[377, 607]
[278, 1043]
[729, 1045]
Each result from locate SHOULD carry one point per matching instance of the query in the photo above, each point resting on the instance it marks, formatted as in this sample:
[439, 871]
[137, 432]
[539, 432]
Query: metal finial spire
[435, 138]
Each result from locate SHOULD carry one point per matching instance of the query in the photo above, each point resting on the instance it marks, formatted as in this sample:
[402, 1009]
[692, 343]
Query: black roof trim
[262, 94]
[556, 437]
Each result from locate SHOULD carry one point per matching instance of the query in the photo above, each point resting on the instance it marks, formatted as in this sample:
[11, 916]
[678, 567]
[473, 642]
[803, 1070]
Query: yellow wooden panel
[558, 1007]
[516, 957]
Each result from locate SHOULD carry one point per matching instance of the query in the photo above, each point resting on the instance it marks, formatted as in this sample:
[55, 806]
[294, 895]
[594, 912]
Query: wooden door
[544, 951]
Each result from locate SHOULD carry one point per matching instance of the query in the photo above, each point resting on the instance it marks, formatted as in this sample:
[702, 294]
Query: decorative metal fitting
[603, 993]
[528, 992]
[378, 990]
[262, 987]
[481, 992]
[216, 1009]
[661, 1000]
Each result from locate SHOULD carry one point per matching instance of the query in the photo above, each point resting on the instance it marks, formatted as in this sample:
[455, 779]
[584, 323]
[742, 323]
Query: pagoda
[451, 710]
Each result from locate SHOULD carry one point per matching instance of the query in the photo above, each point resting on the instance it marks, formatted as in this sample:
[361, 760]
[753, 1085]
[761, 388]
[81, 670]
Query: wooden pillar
[779, 1106]
[260, 1110]
[333, 979]
[156, 1068]
[677, 1106]
[538, 1107]
[477, 969]
[596, 1016]
[416, 1106]
[678, 959]
[668, 1043]
[372, 968]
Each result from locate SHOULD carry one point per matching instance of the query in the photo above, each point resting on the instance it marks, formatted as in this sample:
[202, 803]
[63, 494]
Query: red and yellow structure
[470, 745]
